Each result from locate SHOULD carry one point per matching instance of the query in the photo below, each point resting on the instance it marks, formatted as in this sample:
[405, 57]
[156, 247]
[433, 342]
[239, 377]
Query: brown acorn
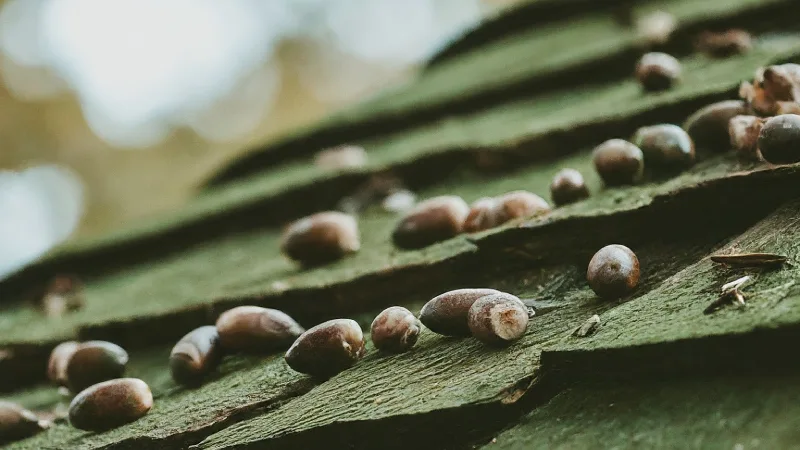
[93, 362]
[18, 423]
[618, 162]
[568, 186]
[658, 71]
[724, 44]
[666, 146]
[779, 139]
[395, 330]
[521, 204]
[708, 126]
[433, 220]
[57, 364]
[195, 356]
[771, 86]
[110, 404]
[321, 238]
[744, 132]
[613, 272]
[483, 214]
[254, 329]
[446, 314]
[498, 318]
[327, 349]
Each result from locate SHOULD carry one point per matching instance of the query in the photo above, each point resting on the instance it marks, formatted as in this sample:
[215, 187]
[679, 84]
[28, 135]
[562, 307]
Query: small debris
[341, 157]
[750, 259]
[63, 295]
[736, 284]
[400, 201]
[588, 327]
[379, 400]
[656, 28]
[727, 297]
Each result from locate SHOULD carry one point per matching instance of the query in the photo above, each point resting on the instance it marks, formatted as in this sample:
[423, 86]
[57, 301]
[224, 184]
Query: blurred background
[113, 110]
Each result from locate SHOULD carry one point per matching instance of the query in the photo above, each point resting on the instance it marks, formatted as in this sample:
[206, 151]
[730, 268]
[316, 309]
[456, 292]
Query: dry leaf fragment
[588, 327]
[750, 259]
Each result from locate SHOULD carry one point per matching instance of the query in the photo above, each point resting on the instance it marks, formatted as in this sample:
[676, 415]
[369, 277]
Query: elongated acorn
[618, 162]
[724, 44]
[658, 71]
[327, 349]
[110, 404]
[446, 314]
[498, 318]
[613, 272]
[254, 329]
[744, 132]
[708, 126]
[57, 364]
[665, 146]
[483, 214]
[395, 330]
[93, 362]
[568, 186]
[321, 238]
[430, 221]
[195, 356]
[779, 139]
[18, 423]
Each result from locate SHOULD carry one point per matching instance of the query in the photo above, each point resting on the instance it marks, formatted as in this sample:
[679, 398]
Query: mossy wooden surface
[148, 285]
[716, 413]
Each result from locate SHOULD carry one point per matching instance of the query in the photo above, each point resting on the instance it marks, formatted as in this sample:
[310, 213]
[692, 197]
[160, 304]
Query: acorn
[708, 126]
[744, 131]
[341, 157]
[395, 330]
[618, 162]
[18, 423]
[57, 364]
[195, 356]
[446, 313]
[327, 349]
[498, 318]
[93, 362]
[656, 28]
[779, 139]
[110, 404]
[658, 71]
[666, 145]
[724, 44]
[253, 329]
[321, 238]
[520, 204]
[772, 86]
[568, 186]
[483, 215]
[431, 221]
[613, 272]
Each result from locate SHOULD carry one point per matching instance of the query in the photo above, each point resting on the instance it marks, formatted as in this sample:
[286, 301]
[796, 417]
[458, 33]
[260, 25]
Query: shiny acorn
[744, 131]
[708, 126]
[110, 404]
[613, 272]
[253, 329]
[447, 313]
[195, 356]
[93, 362]
[395, 330]
[568, 186]
[327, 349]
[430, 221]
[779, 139]
[57, 364]
[498, 318]
[18, 423]
[618, 162]
[658, 71]
[321, 238]
[665, 146]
